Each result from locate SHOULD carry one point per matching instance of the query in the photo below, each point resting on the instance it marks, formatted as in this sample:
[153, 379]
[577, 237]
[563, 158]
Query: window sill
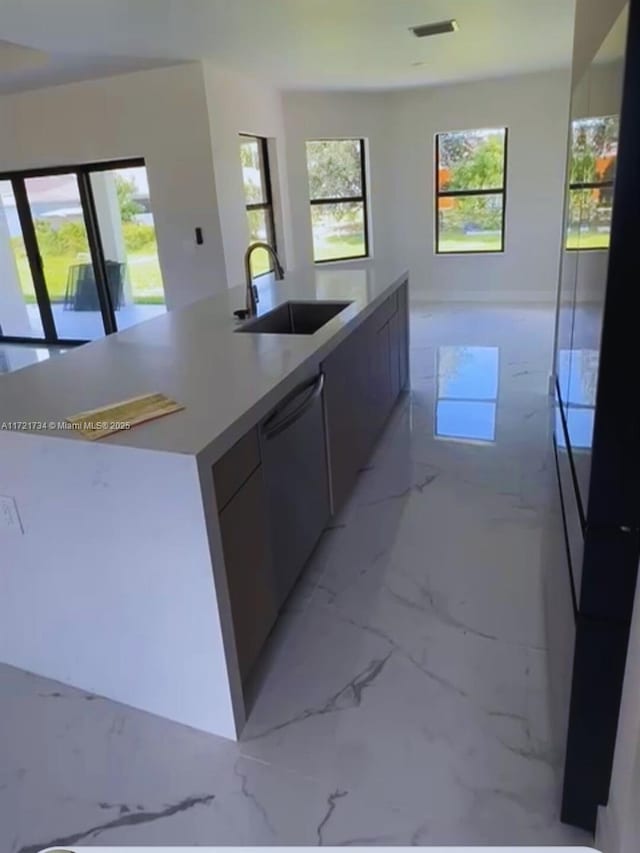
[466, 254]
[332, 262]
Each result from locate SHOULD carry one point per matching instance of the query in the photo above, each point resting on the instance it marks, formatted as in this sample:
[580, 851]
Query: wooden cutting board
[117, 417]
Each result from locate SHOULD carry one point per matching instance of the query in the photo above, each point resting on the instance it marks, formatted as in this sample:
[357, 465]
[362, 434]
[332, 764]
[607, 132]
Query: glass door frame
[87, 201]
[266, 204]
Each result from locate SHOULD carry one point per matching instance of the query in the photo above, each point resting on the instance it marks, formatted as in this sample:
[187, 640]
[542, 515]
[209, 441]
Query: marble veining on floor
[16, 356]
[403, 696]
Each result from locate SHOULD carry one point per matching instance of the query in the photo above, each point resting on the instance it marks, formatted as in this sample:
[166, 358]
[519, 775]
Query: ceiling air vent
[436, 29]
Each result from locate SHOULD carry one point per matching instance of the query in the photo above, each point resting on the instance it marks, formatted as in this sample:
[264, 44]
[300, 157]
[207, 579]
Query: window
[137, 248]
[254, 156]
[470, 190]
[19, 314]
[594, 147]
[81, 255]
[338, 195]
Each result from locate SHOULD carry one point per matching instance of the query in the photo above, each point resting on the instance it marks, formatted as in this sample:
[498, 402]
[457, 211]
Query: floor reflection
[579, 426]
[16, 356]
[578, 376]
[467, 393]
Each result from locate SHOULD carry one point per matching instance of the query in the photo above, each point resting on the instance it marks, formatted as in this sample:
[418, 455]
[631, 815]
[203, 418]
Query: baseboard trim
[493, 296]
[607, 837]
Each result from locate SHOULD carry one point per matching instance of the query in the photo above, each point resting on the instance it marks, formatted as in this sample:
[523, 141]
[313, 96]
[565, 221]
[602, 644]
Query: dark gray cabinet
[244, 530]
[294, 461]
[235, 467]
[400, 335]
[347, 402]
[272, 485]
[364, 376]
[381, 377]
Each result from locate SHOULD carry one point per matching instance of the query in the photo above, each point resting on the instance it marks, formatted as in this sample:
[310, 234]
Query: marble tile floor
[403, 696]
[16, 356]
[88, 325]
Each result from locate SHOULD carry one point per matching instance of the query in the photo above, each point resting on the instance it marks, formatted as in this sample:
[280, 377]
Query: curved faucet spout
[252, 290]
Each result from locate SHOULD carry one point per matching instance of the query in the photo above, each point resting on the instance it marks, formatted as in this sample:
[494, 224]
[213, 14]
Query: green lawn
[458, 241]
[260, 262]
[453, 241]
[146, 278]
[339, 246]
[335, 247]
[144, 274]
[352, 245]
[588, 240]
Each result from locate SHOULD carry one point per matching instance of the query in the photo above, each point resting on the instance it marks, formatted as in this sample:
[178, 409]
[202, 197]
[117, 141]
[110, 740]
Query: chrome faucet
[252, 290]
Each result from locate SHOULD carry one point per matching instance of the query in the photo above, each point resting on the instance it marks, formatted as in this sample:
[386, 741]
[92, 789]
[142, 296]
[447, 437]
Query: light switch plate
[9, 515]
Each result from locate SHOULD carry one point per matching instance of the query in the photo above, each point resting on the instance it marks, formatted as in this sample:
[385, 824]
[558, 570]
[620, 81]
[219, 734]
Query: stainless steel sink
[294, 318]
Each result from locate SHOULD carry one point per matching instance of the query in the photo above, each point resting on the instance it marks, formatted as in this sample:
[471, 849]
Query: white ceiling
[350, 44]
[613, 47]
[15, 58]
[22, 68]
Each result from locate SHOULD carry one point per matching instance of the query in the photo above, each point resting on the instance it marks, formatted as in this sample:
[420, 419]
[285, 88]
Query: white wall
[241, 105]
[316, 115]
[593, 20]
[619, 823]
[400, 128]
[534, 108]
[160, 115]
[185, 120]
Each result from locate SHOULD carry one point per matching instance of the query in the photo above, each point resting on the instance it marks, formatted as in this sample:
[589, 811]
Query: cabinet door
[381, 378]
[363, 379]
[247, 556]
[235, 467]
[297, 484]
[346, 372]
[403, 335]
[399, 335]
[395, 347]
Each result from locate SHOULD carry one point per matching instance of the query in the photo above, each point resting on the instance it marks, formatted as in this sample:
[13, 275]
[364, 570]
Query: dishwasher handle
[274, 425]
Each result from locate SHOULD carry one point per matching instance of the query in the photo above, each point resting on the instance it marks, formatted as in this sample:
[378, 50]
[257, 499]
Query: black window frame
[356, 199]
[502, 191]
[585, 185]
[82, 173]
[267, 204]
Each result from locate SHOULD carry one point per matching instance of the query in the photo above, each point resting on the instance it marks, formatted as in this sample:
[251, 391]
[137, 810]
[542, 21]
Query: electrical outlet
[9, 515]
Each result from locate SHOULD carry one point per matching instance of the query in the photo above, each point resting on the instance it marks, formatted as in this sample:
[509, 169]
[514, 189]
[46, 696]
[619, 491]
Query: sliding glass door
[78, 253]
[19, 312]
[128, 237]
[65, 256]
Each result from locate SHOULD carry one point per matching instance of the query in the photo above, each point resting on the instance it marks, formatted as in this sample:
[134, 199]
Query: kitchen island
[140, 567]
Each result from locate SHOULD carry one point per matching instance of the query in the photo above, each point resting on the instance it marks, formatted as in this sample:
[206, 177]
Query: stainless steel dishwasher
[294, 459]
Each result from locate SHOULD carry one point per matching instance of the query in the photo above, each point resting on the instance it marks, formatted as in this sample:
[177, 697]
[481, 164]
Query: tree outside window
[337, 193]
[592, 164]
[254, 159]
[470, 190]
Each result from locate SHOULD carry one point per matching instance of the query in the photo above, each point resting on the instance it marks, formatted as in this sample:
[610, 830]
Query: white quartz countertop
[226, 381]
